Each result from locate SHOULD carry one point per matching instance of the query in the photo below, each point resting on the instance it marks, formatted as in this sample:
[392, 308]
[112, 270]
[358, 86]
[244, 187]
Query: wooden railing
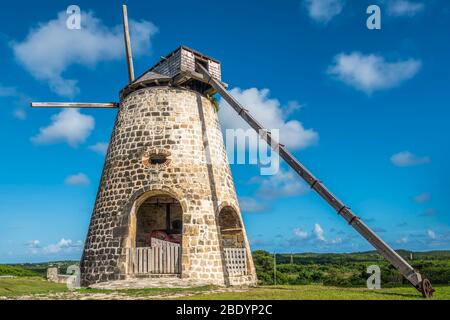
[154, 260]
[236, 261]
[167, 260]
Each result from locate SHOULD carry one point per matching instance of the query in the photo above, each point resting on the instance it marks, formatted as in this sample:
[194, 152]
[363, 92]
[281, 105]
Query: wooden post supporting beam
[109, 105]
[126, 31]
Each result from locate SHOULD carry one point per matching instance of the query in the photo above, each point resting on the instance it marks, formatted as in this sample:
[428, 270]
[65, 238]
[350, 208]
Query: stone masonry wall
[183, 124]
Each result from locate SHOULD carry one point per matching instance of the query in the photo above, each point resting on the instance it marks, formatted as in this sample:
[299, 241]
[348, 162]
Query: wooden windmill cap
[178, 68]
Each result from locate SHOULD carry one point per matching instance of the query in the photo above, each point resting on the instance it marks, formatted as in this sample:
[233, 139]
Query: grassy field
[320, 292]
[28, 286]
[37, 288]
[341, 276]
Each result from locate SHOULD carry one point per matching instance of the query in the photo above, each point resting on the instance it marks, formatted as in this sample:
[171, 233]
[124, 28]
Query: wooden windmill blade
[93, 105]
[78, 105]
[128, 50]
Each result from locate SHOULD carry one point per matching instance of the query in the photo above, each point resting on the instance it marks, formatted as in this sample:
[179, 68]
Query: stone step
[156, 275]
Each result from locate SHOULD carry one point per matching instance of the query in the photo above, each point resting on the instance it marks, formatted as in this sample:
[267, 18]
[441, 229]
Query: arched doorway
[159, 222]
[158, 236]
[231, 229]
[233, 242]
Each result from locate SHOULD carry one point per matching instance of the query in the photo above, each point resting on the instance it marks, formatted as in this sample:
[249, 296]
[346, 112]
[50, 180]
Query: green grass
[28, 286]
[151, 291]
[13, 288]
[320, 292]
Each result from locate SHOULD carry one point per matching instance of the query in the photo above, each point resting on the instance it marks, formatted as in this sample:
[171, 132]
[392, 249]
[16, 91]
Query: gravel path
[118, 295]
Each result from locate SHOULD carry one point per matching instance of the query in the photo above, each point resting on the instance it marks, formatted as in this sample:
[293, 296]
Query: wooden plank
[107, 105]
[164, 260]
[177, 260]
[141, 256]
[160, 260]
[174, 260]
[134, 261]
[169, 260]
[174, 252]
[235, 261]
[148, 260]
[139, 260]
[130, 270]
[145, 268]
[152, 260]
[131, 261]
[157, 249]
[157, 259]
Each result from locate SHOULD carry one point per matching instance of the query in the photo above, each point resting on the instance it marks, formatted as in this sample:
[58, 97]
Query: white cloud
[20, 100]
[292, 106]
[324, 10]
[251, 205]
[318, 232]
[100, 148]
[51, 48]
[422, 198]
[270, 114]
[281, 184]
[370, 73]
[63, 245]
[399, 8]
[337, 240]
[300, 234]
[431, 234]
[79, 179]
[68, 126]
[33, 244]
[408, 159]
[402, 240]
[316, 237]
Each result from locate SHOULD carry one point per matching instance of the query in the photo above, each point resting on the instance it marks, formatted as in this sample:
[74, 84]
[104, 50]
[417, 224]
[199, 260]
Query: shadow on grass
[148, 291]
[397, 294]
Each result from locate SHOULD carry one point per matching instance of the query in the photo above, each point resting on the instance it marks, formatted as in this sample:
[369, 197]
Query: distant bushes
[16, 271]
[341, 270]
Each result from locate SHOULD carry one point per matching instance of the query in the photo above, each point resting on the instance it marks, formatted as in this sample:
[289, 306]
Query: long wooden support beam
[109, 105]
[412, 275]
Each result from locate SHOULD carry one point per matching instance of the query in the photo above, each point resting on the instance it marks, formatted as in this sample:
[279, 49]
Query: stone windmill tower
[166, 204]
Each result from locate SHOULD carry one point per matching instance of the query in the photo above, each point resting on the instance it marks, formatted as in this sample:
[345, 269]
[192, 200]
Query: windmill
[159, 212]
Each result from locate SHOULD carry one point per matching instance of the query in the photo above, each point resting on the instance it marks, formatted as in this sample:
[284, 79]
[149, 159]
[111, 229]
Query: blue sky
[365, 110]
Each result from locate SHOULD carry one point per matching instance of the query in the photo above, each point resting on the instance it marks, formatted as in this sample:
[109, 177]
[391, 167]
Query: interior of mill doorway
[158, 236]
[233, 242]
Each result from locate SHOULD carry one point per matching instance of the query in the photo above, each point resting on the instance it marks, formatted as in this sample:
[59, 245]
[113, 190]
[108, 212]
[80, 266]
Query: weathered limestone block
[54, 276]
